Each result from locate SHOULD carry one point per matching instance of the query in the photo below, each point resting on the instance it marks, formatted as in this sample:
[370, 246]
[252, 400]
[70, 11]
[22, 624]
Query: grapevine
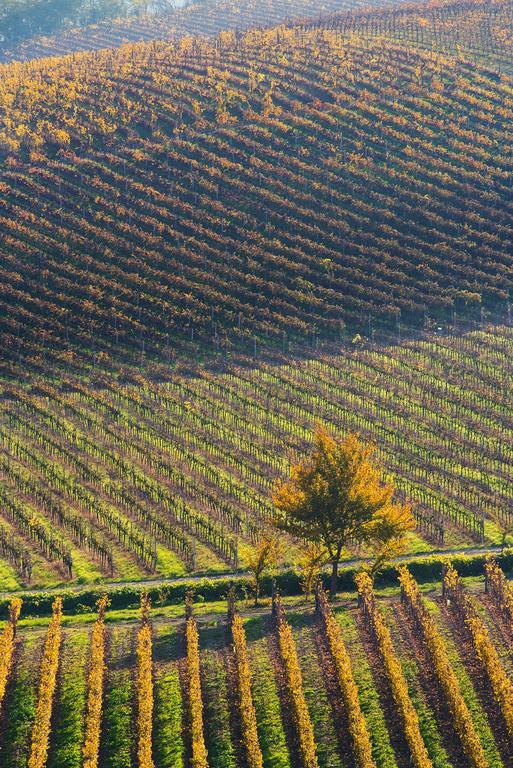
[47, 685]
[95, 683]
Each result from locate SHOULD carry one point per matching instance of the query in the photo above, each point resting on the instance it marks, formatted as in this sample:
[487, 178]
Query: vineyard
[200, 17]
[256, 274]
[22, 20]
[278, 187]
[370, 683]
[476, 30]
[139, 473]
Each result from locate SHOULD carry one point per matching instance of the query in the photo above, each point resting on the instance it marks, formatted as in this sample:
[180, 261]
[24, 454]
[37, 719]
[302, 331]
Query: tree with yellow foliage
[336, 496]
[264, 557]
[383, 552]
[312, 557]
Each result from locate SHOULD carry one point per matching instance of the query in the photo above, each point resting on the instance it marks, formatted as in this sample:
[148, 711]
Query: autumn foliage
[195, 702]
[47, 685]
[445, 675]
[7, 639]
[483, 644]
[361, 743]
[409, 718]
[144, 688]
[337, 495]
[228, 192]
[94, 706]
[246, 707]
[476, 30]
[499, 588]
[294, 682]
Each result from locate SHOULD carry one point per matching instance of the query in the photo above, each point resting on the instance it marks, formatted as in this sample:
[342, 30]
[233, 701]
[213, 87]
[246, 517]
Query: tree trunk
[334, 578]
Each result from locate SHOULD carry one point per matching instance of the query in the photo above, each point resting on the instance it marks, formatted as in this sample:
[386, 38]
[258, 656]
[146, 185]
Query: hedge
[74, 602]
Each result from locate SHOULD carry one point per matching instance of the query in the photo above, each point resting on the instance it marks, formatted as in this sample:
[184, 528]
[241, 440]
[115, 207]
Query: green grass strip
[68, 727]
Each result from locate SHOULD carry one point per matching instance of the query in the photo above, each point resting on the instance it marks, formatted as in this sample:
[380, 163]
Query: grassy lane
[216, 713]
[226, 576]
[271, 732]
[21, 702]
[168, 713]
[468, 690]
[316, 693]
[117, 743]
[68, 722]
[427, 721]
[369, 698]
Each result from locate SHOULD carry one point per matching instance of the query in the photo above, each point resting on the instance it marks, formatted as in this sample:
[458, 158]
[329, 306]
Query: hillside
[476, 30]
[133, 474]
[27, 19]
[275, 187]
[397, 684]
[244, 242]
[200, 17]
[255, 201]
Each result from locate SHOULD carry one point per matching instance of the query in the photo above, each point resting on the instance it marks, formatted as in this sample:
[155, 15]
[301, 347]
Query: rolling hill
[22, 20]
[198, 18]
[256, 202]
[128, 474]
[475, 30]
[276, 186]
[214, 237]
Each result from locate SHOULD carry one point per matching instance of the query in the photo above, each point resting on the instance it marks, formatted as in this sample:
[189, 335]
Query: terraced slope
[275, 187]
[164, 472]
[298, 660]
